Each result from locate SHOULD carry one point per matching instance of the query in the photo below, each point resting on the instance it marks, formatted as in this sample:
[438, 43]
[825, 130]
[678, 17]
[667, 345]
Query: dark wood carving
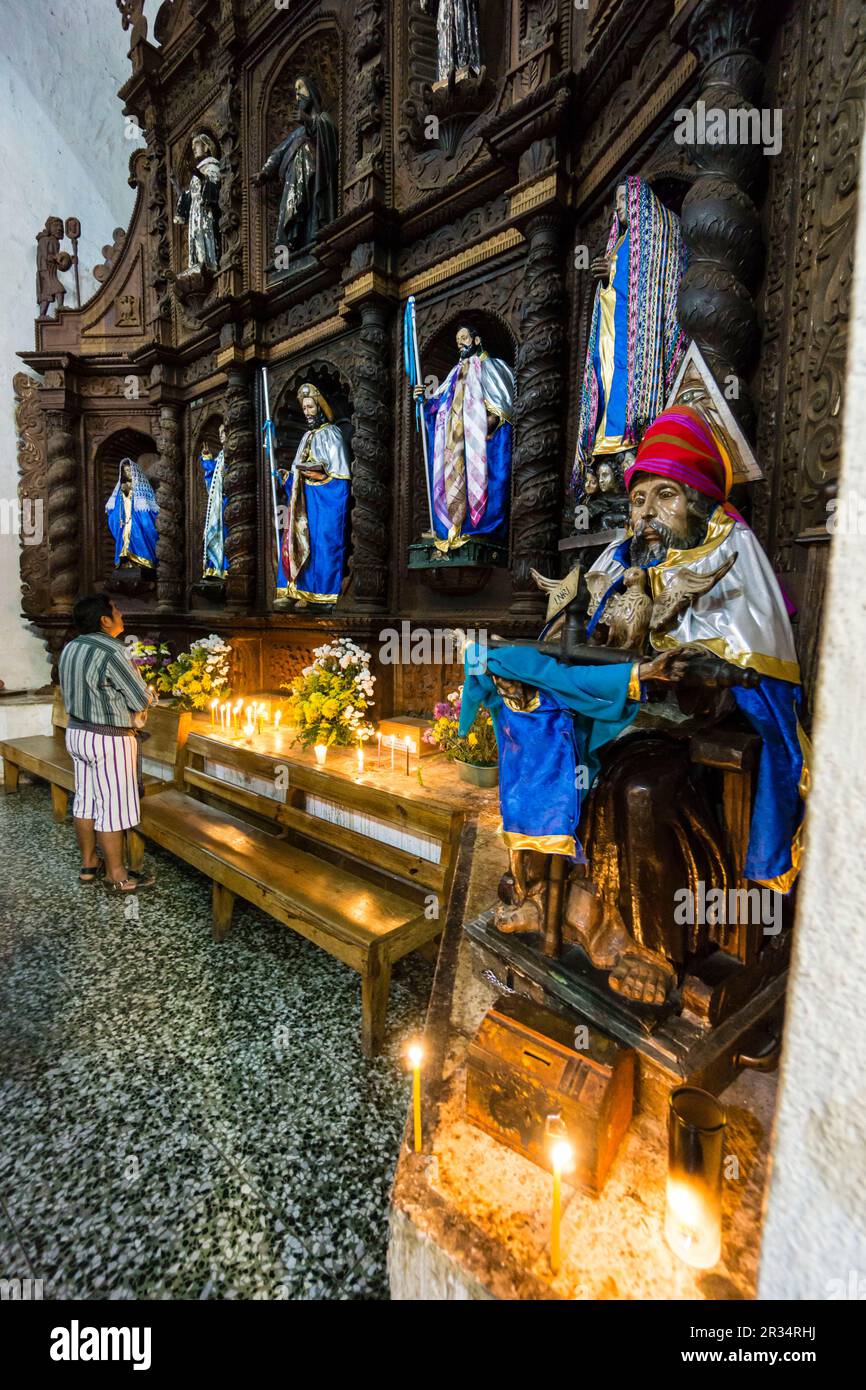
[536, 510]
[30, 428]
[240, 484]
[63, 510]
[371, 446]
[168, 473]
[720, 219]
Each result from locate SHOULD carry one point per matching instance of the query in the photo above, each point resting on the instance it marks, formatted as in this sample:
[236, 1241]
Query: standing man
[105, 699]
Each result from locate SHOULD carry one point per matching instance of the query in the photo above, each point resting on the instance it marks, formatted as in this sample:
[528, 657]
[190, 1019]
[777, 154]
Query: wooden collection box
[523, 1066]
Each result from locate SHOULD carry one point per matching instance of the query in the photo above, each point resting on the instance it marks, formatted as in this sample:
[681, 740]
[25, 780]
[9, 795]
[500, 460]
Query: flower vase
[477, 775]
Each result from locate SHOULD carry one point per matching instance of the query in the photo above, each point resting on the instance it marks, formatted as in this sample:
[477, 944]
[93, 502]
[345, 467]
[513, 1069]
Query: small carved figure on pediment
[50, 260]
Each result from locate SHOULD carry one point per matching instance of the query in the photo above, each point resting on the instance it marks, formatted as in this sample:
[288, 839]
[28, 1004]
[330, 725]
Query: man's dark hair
[89, 610]
[471, 330]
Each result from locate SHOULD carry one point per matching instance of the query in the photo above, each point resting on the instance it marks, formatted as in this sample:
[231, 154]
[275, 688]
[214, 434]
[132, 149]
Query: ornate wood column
[721, 224]
[371, 447]
[169, 495]
[539, 412]
[64, 521]
[240, 481]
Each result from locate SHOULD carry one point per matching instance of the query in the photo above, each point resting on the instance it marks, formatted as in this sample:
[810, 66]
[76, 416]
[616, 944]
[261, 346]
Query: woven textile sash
[460, 450]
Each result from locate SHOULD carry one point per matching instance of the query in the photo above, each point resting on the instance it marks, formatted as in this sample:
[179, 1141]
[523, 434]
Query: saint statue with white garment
[214, 564]
[199, 206]
[132, 510]
[312, 562]
[469, 435]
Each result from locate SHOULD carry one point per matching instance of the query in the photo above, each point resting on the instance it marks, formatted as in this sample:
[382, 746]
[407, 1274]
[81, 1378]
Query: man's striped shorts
[106, 785]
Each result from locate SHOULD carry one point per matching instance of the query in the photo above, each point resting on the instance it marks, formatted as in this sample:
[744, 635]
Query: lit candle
[393, 742]
[378, 749]
[360, 756]
[693, 1216]
[213, 708]
[321, 752]
[415, 1054]
[561, 1156]
[277, 717]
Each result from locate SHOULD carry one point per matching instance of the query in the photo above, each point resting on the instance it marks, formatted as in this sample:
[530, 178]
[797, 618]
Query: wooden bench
[365, 901]
[45, 755]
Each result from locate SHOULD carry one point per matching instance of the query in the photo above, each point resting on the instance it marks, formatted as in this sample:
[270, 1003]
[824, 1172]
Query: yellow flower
[472, 740]
[330, 709]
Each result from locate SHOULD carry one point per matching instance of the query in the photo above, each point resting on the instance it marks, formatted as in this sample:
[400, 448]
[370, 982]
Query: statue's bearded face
[622, 205]
[198, 149]
[665, 515]
[467, 342]
[310, 409]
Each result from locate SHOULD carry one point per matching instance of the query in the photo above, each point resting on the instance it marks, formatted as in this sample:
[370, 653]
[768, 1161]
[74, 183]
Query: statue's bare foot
[644, 980]
[521, 917]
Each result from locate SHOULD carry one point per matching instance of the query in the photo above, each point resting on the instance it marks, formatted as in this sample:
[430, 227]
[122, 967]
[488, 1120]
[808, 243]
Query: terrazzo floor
[181, 1119]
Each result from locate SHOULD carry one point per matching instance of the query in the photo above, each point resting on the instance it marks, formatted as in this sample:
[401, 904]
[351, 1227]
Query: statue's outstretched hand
[668, 666]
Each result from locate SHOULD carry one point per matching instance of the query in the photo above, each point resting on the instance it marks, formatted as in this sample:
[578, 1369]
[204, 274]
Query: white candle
[321, 752]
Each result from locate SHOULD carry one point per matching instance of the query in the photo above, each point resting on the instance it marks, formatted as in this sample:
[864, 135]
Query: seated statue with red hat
[686, 623]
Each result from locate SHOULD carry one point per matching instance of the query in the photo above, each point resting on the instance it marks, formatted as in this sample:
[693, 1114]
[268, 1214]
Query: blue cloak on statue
[132, 517]
[312, 562]
[215, 565]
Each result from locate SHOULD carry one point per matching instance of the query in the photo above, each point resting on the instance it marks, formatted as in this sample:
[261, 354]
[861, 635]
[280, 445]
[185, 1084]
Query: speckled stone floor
[180, 1119]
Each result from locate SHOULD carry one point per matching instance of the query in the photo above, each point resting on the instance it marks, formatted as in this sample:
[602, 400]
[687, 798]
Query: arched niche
[439, 354]
[290, 426]
[124, 443]
[205, 437]
[318, 54]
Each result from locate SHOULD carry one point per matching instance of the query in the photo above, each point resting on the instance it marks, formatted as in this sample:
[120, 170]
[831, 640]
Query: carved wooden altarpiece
[474, 200]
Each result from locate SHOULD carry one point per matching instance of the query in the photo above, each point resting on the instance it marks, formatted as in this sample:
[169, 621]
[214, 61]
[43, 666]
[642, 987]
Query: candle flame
[562, 1156]
[415, 1053]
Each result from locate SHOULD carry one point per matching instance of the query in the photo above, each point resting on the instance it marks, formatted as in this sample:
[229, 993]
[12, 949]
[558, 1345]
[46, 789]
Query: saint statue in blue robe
[315, 541]
[214, 562]
[131, 511]
[469, 443]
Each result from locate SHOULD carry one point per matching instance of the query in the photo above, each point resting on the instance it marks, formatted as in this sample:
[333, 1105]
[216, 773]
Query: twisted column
[64, 524]
[539, 412]
[240, 483]
[720, 221]
[169, 495]
[370, 445]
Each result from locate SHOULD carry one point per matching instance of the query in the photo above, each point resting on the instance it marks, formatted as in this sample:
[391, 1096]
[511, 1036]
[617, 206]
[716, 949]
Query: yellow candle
[561, 1157]
[415, 1054]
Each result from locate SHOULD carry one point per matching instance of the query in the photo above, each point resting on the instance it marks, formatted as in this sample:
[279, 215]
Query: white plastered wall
[814, 1242]
[63, 152]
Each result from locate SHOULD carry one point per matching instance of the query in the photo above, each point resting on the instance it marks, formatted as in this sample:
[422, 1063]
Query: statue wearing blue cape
[564, 728]
[214, 562]
[131, 511]
[469, 436]
[312, 564]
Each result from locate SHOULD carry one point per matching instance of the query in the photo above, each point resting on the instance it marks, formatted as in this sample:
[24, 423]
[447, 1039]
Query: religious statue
[215, 565]
[313, 558]
[469, 434]
[49, 261]
[693, 624]
[635, 341]
[604, 496]
[199, 206]
[307, 164]
[458, 45]
[132, 510]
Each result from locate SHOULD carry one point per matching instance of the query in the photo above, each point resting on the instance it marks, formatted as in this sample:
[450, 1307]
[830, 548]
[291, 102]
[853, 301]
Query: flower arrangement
[477, 748]
[148, 657]
[328, 701]
[198, 676]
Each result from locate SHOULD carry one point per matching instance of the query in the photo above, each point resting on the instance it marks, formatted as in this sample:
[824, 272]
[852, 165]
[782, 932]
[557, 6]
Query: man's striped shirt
[100, 685]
